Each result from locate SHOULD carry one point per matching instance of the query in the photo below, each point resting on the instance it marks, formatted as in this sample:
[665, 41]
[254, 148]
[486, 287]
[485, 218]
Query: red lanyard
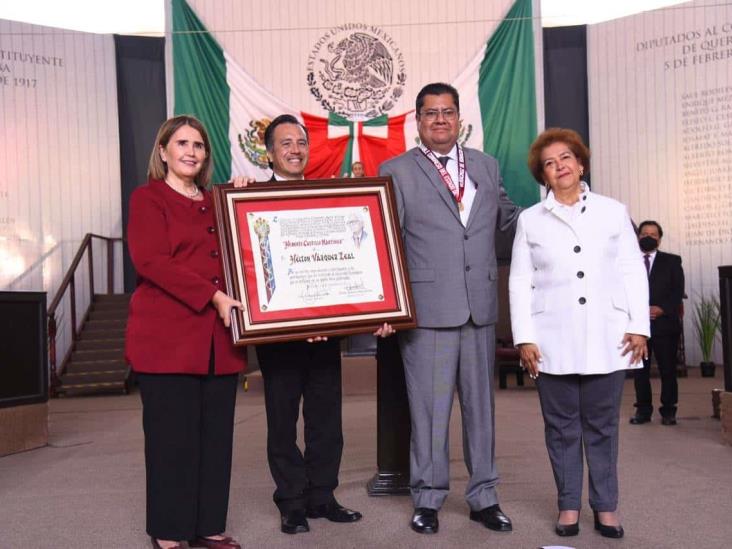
[458, 191]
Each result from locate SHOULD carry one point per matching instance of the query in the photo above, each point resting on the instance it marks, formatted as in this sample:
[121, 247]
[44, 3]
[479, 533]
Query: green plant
[707, 320]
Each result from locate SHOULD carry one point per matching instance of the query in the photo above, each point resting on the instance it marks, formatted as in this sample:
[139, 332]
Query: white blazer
[577, 285]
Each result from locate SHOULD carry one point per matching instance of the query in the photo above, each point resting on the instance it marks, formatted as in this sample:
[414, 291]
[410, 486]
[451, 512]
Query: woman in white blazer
[579, 313]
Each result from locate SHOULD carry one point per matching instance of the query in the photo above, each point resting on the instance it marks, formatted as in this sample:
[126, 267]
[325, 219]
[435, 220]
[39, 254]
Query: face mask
[648, 243]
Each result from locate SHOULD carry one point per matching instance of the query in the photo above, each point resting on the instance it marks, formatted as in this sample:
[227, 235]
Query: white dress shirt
[469, 194]
[651, 259]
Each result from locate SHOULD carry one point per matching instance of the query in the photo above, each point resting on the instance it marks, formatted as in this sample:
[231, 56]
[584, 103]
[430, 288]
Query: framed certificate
[313, 258]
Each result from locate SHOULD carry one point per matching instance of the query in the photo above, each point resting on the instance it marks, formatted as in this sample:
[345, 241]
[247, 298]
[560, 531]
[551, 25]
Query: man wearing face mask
[666, 290]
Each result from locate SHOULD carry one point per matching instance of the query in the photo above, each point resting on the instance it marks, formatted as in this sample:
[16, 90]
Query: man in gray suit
[450, 203]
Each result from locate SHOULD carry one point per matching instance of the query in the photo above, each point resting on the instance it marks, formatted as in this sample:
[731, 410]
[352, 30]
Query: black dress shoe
[424, 521]
[668, 420]
[334, 512]
[639, 420]
[294, 522]
[492, 517]
[608, 531]
[566, 530]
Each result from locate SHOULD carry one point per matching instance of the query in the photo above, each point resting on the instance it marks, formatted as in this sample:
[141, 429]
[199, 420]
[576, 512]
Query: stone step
[103, 334]
[112, 306]
[113, 302]
[96, 367]
[117, 333]
[97, 325]
[119, 387]
[113, 380]
[106, 353]
[108, 314]
[112, 298]
[102, 343]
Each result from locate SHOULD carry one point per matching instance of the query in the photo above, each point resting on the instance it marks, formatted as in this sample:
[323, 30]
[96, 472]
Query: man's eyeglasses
[430, 115]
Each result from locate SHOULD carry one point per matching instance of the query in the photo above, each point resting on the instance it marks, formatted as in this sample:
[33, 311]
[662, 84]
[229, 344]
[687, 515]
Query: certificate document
[316, 257]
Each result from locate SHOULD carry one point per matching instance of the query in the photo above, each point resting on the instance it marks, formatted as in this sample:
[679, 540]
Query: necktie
[647, 261]
[443, 160]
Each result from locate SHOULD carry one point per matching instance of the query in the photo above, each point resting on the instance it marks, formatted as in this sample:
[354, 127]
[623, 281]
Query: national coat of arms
[252, 142]
[355, 70]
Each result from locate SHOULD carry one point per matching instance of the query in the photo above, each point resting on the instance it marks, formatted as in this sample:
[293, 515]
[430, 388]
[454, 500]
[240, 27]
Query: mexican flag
[336, 142]
[497, 103]
[236, 110]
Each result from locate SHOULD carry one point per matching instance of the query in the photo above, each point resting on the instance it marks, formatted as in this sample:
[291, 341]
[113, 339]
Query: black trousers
[311, 372]
[189, 426]
[664, 347]
[581, 413]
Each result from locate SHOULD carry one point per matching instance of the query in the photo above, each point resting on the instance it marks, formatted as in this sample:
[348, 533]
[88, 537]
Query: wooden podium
[24, 372]
[393, 423]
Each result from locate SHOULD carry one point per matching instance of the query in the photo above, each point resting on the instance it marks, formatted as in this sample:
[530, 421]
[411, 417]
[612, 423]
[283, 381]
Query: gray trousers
[582, 411]
[436, 361]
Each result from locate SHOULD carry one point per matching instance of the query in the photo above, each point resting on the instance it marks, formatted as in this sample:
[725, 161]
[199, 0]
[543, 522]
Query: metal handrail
[69, 282]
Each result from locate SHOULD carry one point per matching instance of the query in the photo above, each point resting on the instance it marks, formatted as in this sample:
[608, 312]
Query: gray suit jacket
[452, 268]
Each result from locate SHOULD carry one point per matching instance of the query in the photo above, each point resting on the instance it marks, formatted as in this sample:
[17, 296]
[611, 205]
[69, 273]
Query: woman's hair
[557, 135]
[157, 169]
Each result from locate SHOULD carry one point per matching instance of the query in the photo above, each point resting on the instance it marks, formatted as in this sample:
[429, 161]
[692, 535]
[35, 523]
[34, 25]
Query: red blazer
[172, 323]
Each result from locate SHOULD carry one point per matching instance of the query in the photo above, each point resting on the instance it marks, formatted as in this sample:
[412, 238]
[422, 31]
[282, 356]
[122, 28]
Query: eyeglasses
[430, 115]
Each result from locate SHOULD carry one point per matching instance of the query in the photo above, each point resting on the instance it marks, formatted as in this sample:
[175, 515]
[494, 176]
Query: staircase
[97, 363]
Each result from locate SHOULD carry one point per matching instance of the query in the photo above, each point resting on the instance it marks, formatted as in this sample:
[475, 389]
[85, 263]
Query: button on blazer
[577, 287]
[172, 324]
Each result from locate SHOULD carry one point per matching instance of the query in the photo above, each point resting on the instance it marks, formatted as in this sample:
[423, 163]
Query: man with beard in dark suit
[666, 290]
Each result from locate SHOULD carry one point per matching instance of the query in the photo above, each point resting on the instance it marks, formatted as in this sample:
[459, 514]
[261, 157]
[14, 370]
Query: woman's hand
[241, 181]
[224, 304]
[385, 330]
[530, 358]
[635, 345]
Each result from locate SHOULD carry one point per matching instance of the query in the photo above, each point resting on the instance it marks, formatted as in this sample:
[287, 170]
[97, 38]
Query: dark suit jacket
[666, 285]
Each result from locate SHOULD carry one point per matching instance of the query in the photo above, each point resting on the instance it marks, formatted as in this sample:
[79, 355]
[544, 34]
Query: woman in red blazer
[178, 342]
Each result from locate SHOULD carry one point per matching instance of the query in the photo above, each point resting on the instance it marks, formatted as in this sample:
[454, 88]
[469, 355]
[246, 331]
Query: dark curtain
[565, 79]
[141, 106]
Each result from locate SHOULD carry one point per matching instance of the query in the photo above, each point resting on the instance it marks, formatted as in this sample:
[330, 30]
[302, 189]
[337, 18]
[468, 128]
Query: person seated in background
[357, 170]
